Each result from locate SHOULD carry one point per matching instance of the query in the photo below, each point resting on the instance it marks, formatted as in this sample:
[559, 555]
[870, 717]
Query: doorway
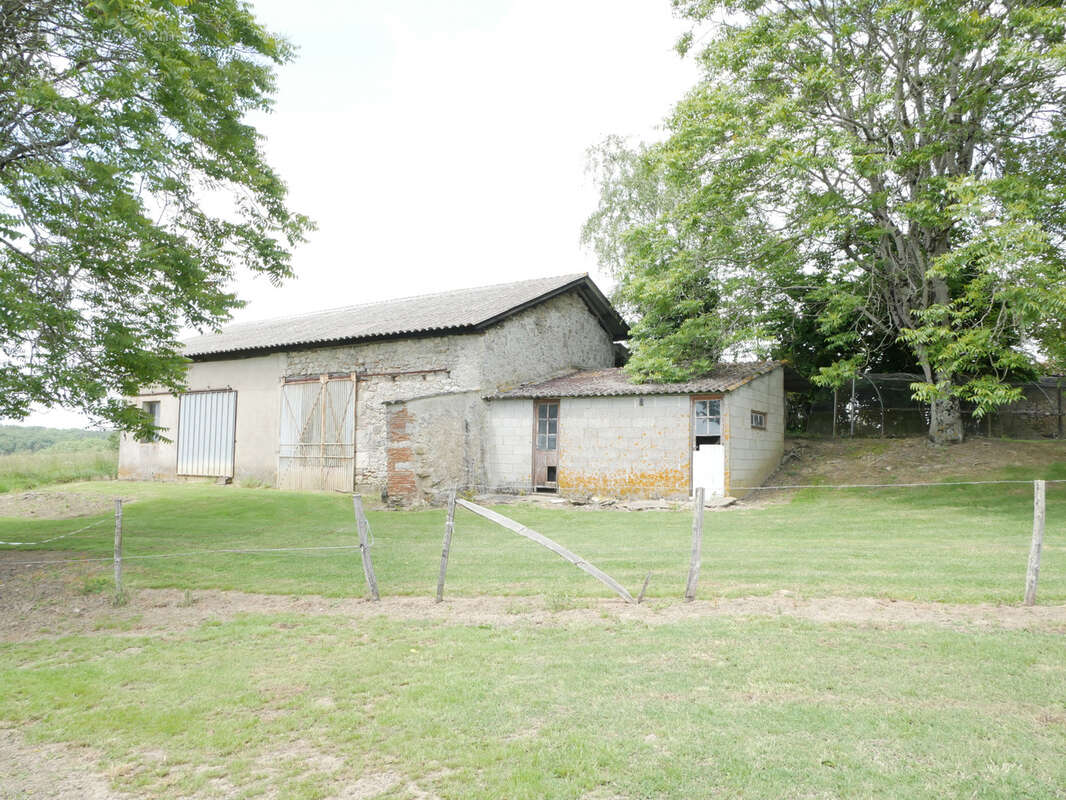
[708, 451]
[546, 446]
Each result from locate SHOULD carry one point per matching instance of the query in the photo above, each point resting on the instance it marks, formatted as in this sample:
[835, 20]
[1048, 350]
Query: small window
[151, 408]
[552, 474]
[706, 422]
[758, 419]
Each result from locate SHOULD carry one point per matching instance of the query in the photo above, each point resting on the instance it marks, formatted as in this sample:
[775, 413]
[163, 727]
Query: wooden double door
[317, 435]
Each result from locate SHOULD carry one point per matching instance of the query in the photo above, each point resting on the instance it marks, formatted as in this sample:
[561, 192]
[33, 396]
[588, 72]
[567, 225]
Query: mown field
[576, 702]
[60, 463]
[963, 544]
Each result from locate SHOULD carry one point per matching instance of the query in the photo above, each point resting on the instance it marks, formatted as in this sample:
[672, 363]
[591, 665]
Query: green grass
[713, 708]
[310, 706]
[949, 544]
[30, 470]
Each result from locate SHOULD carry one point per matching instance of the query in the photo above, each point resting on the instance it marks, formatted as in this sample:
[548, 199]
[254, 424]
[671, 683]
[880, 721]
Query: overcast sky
[443, 144]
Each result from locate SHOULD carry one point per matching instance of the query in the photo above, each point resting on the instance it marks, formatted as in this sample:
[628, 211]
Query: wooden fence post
[364, 546]
[449, 525]
[1039, 513]
[697, 547]
[643, 589]
[118, 547]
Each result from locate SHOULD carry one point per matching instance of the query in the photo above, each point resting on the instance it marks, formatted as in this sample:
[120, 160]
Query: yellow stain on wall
[622, 483]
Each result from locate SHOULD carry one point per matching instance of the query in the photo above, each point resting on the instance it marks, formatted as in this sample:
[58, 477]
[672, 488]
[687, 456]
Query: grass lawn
[946, 544]
[301, 706]
[321, 705]
[30, 470]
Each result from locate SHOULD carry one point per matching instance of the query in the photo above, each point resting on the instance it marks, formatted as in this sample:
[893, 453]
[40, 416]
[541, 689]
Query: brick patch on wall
[400, 476]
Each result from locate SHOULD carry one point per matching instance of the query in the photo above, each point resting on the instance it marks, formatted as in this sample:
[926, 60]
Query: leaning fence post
[1039, 513]
[697, 546]
[364, 546]
[449, 526]
[118, 547]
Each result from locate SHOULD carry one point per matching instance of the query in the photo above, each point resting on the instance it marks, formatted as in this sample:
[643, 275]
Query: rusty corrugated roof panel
[615, 382]
[444, 312]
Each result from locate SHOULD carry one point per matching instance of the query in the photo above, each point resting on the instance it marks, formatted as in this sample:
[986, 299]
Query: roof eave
[251, 352]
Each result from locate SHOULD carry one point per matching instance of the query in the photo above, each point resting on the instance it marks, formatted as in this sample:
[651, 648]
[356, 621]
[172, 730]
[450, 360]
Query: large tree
[893, 171]
[131, 189]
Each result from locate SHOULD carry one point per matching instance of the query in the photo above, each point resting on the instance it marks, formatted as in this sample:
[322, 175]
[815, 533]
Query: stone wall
[624, 446]
[434, 445]
[558, 334]
[752, 454]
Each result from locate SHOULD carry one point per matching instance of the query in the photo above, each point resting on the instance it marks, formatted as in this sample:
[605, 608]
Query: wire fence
[366, 535]
[883, 405]
[678, 494]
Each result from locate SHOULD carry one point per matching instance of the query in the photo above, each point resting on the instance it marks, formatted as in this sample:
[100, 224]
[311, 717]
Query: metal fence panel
[884, 405]
[207, 424]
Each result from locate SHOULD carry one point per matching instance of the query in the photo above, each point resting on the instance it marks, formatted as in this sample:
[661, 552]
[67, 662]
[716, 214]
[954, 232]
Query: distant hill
[30, 439]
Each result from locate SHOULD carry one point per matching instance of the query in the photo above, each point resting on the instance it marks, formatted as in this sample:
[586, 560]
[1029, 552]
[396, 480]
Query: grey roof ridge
[568, 277]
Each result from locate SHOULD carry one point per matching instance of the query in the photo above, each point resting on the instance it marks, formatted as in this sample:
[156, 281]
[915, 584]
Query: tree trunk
[945, 421]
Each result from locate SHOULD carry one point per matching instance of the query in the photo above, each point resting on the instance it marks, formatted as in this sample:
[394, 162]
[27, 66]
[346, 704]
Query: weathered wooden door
[317, 435]
[546, 445]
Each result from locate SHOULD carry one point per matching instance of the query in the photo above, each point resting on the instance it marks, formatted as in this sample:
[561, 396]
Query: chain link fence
[882, 404]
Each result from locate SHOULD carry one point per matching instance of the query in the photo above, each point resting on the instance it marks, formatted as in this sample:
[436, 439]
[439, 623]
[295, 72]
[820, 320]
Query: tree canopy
[131, 189]
[853, 181]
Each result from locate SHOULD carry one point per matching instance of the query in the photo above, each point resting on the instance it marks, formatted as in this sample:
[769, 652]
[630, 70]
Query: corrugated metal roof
[458, 310]
[615, 382]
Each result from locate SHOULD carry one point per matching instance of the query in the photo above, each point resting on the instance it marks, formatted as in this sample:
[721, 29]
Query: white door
[708, 469]
[708, 452]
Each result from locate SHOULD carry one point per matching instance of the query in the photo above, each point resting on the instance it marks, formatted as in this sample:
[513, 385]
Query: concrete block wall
[625, 446]
[752, 454]
[509, 444]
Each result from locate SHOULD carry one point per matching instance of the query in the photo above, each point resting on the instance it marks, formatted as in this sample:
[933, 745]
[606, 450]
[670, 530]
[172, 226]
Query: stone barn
[510, 387]
[381, 397]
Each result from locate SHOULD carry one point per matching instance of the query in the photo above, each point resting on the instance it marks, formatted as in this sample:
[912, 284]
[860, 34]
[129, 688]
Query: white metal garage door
[207, 424]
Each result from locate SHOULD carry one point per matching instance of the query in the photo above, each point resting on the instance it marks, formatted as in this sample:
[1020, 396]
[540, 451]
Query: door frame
[692, 398]
[548, 485]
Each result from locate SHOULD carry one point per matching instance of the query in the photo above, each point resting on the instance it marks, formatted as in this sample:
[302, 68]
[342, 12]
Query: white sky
[443, 144]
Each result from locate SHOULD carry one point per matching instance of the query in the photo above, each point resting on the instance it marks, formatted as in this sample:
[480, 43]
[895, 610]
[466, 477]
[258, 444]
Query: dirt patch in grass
[77, 599]
[45, 771]
[55, 505]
